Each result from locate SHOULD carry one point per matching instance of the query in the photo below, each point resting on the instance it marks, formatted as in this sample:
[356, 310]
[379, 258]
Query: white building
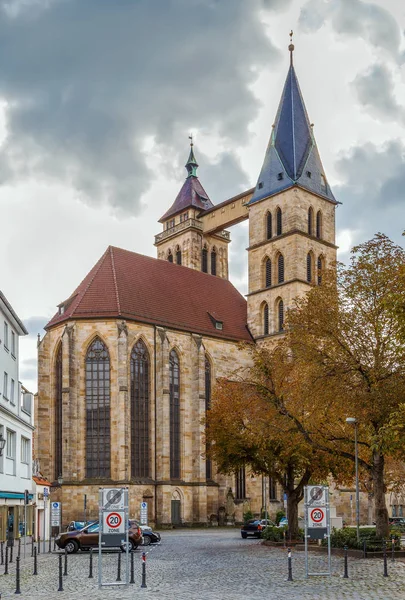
[16, 429]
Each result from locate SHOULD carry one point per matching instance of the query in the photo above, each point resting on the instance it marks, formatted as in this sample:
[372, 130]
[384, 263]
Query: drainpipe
[155, 379]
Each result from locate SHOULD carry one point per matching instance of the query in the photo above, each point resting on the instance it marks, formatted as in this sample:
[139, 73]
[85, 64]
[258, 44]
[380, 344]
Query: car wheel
[71, 547]
[146, 540]
[131, 546]
[244, 535]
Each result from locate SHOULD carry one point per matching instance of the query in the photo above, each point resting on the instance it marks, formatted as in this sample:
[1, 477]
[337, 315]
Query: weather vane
[291, 47]
[190, 137]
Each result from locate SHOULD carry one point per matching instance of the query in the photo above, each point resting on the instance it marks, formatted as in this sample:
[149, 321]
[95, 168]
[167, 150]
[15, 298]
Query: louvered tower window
[240, 484]
[204, 260]
[320, 267]
[170, 256]
[58, 413]
[178, 255]
[280, 268]
[140, 383]
[98, 437]
[310, 220]
[174, 393]
[268, 273]
[266, 319]
[208, 462]
[269, 226]
[319, 224]
[309, 267]
[213, 262]
[279, 221]
[280, 315]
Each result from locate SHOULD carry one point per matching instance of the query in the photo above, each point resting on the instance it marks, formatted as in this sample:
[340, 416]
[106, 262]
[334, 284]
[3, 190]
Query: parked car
[86, 538]
[397, 522]
[255, 527]
[150, 537]
[76, 525]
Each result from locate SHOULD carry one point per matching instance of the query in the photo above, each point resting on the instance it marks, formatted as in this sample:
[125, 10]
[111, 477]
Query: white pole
[44, 528]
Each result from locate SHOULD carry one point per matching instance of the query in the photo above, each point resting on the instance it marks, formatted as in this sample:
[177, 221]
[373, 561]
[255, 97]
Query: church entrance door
[176, 518]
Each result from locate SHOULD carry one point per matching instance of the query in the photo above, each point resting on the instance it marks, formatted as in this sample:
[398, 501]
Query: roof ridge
[96, 270]
[110, 248]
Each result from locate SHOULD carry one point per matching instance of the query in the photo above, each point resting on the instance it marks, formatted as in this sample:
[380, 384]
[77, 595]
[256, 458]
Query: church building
[128, 363]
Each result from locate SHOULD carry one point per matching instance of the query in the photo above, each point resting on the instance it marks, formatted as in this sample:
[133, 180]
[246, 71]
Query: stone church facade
[127, 366]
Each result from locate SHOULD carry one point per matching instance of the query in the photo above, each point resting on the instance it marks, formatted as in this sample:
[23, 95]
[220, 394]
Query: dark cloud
[35, 325]
[355, 18]
[87, 82]
[374, 90]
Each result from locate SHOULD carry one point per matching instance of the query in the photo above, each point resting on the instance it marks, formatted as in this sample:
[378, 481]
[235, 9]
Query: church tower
[291, 217]
[182, 240]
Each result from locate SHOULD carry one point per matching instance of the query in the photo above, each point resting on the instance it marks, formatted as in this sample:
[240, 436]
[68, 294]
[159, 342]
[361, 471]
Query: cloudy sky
[98, 97]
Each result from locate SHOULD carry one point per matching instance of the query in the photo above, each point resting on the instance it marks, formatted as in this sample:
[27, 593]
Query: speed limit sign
[114, 521]
[317, 517]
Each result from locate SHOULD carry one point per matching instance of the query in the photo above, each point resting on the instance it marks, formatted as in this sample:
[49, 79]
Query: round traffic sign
[114, 520]
[317, 515]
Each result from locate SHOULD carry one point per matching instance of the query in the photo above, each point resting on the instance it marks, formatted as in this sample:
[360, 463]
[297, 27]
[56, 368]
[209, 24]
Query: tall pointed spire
[292, 156]
[191, 164]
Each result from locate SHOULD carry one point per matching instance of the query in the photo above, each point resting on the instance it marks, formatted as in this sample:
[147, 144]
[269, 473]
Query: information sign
[55, 514]
[316, 495]
[113, 499]
[144, 513]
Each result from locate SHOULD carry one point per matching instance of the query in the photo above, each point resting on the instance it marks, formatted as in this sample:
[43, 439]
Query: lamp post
[353, 421]
[2, 444]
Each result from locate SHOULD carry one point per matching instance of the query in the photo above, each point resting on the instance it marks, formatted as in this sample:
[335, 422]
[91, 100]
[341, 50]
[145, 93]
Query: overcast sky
[98, 97]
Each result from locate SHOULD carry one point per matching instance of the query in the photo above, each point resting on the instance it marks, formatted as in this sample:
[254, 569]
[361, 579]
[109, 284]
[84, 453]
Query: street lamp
[60, 480]
[353, 421]
[2, 444]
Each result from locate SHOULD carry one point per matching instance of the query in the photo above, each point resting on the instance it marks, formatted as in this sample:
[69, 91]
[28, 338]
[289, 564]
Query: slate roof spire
[292, 156]
[191, 164]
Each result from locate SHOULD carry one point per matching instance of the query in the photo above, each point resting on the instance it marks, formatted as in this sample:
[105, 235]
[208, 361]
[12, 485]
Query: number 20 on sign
[317, 517]
[113, 522]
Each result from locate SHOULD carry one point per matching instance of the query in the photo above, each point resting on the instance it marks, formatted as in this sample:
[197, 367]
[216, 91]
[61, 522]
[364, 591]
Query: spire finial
[190, 137]
[291, 47]
[191, 164]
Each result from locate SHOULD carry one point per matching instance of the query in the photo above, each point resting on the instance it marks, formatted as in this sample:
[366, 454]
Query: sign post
[317, 521]
[113, 526]
[46, 494]
[144, 513]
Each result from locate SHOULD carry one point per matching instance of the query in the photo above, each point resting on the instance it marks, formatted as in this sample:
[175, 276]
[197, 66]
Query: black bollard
[65, 571]
[6, 562]
[132, 569]
[60, 588]
[35, 561]
[290, 577]
[91, 564]
[2, 552]
[32, 545]
[119, 567]
[346, 575]
[143, 585]
[50, 543]
[393, 549]
[54, 544]
[19, 548]
[11, 554]
[39, 545]
[385, 558]
[17, 576]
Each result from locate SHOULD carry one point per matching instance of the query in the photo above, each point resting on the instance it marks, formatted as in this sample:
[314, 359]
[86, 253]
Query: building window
[280, 176]
[184, 217]
[10, 452]
[272, 489]
[208, 374]
[319, 224]
[5, 386]
[13, 344]
[58, 415]
[310, 220]
[280, 315]
[279, 216]
[140, 375]
[170, 256]
[323, 184]
[204, 260]
[98, 435]
[268, 272]
[5, 335]
[170, 224]
[12, 391]
[178, 255]
[269, 226]
[280, 268]
[213, 262]
[320, 269]
[266, 319]
[174, 392]
[240, 484]
[25, 450]
[309, 267]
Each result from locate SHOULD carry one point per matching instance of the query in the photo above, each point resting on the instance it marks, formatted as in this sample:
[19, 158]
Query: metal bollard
[60, 588]
[17, 576]
[54, 544]
[143, 585]
[35, 561]
[385, 558]
[39, 545]
[2, 552]
[50, 543]
[393, 549]
[290, 577]
[6, 562]
[11, 554]
[32, 545]
[132, 569]
[346, 575]
[119, 567]
[91, 564]
[65, 572]
[19, 548]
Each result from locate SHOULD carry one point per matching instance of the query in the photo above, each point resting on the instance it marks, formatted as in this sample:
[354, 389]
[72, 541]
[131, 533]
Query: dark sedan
[87, 538]
[150, 537]
[255, 527]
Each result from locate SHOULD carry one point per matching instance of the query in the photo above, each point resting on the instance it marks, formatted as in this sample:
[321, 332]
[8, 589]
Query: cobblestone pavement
[209, 565]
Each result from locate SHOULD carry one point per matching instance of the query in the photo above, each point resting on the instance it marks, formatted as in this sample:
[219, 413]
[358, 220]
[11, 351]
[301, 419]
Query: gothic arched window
[208, 374]
[309, 267]
[58, 413]
[319, 224]
[268, 272]
[269, 226]
[140, 374]
[310, 220]
[204, 260]
[320, 269]
[178, 255]
[170, 256]
[240, 484]
[213, 262]
[280, 315]
[174, 392]
[266, 319]
[279, 221]
[98, 432]
[280, 268]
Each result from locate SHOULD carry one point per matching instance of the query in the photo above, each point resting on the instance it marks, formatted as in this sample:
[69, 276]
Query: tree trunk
[293, 500]
[381, 513]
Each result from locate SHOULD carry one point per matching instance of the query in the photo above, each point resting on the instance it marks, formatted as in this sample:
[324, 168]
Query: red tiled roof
[140, 288]
[192, 194]
[41, 480]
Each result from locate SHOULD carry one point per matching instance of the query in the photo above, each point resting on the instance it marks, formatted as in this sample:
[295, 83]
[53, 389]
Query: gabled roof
[128, 285]
[292, 156]
[8, 310]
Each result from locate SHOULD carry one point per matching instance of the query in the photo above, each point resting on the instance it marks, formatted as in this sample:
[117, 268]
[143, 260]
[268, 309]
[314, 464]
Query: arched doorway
[176, 508]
